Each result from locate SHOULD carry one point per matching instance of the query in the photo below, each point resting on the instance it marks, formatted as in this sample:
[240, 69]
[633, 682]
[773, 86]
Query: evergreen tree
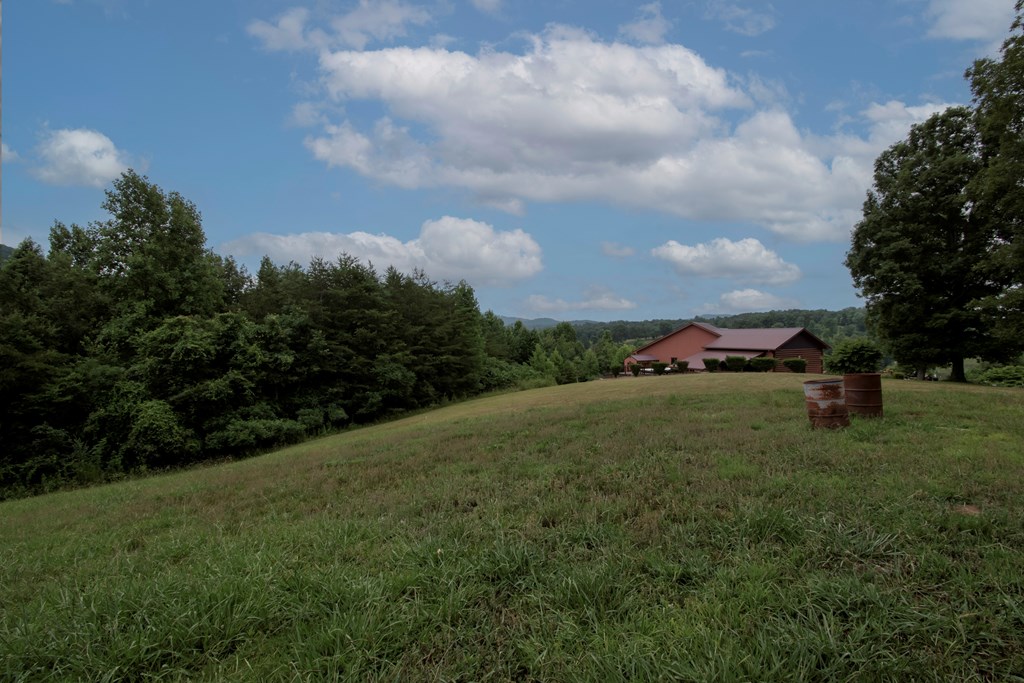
[32, 364]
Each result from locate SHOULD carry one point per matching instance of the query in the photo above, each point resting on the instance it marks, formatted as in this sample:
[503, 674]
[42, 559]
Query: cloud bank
[572, 118]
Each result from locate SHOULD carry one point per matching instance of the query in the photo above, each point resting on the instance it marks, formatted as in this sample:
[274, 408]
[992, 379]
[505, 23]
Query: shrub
[659, 368]
[635, 369]
[735, 363]
[795, 364]
[682, 365]
[535, 382]
[242, 436]
[853, 355]
[616, 371]
[157, 439]
[762, 364]
[312, 419]
[1007, 376]
[336, 415]
[711, 364]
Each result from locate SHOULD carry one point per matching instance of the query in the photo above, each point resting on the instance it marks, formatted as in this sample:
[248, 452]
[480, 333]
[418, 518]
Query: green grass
[678, 527]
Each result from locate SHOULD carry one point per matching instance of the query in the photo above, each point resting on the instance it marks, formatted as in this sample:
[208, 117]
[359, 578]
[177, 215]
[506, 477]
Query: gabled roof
[748, 339]
[706, 326]
[758, 339]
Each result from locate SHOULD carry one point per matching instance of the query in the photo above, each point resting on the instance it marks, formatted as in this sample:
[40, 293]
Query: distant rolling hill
[543, 323]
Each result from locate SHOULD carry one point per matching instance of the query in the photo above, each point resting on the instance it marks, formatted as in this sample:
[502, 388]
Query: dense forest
[130, 346]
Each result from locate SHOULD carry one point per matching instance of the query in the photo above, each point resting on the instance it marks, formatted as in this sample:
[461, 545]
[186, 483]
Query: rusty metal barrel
[863, 394]
[826, 403]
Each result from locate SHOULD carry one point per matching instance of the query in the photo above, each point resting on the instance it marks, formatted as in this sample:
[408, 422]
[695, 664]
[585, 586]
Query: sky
[579, 160]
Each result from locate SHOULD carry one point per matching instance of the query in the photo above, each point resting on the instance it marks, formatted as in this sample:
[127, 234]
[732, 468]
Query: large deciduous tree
[152, 252]
[919, 254]
[998, 189]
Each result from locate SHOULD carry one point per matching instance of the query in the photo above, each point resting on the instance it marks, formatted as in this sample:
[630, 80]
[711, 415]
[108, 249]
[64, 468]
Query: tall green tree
[522, 342]
[998, 88]
[152, 251]
[918, 255]
[465, 340]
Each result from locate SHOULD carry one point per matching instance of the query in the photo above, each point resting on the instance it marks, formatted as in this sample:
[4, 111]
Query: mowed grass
[679, 527]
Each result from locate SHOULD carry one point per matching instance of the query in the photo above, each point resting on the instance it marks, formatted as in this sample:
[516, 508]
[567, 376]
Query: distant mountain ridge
[544, 323]
[5, 251]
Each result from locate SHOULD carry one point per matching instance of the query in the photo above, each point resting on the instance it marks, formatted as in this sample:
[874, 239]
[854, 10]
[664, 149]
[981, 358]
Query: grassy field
[677, 527]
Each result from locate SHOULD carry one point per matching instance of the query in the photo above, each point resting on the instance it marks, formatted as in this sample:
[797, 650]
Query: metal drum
[863, 394]
[826, 403]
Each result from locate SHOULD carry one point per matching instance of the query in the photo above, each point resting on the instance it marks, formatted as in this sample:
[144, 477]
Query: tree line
[831, 326]
[129, 346]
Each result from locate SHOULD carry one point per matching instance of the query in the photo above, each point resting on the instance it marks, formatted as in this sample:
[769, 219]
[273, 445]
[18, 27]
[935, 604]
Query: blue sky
[569, 159]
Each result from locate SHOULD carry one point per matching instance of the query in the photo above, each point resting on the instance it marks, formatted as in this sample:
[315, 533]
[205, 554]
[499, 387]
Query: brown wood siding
[813, 356]
[800, 342]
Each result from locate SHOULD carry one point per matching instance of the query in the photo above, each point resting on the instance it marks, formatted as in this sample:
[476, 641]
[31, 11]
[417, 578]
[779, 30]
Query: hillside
[679, 527]
[5, 251]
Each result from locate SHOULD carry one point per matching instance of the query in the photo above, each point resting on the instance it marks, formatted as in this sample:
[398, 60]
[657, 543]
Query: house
[694, 342]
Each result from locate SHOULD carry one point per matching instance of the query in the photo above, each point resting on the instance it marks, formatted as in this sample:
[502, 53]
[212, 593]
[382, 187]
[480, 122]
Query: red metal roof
[747, 339]
[757, 339]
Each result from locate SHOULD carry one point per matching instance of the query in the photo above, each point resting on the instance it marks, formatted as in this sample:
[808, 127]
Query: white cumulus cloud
[79, 157]
[594, 299]
[489, 6]
[573, 118]
[891, 120]
[649, 27]
[742, 20]
[447, 249]
[377, 20]
[287, 33]
[617, 250]
[7, 154]
[750, 300]
[982, 20]
[746, 260]
[307, 114]
[380, 20]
